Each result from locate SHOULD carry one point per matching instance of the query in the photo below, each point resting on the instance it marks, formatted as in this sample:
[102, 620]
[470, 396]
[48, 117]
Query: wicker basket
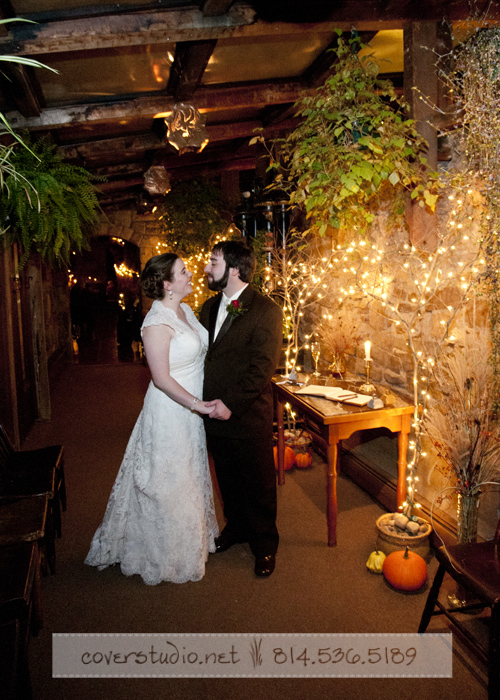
[388, 542]
[300, 442]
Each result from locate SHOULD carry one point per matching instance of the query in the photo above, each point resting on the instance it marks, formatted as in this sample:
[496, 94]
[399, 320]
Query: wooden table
[331, 429]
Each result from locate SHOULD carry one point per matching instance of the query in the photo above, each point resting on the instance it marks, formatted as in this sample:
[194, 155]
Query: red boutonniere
[235, 308]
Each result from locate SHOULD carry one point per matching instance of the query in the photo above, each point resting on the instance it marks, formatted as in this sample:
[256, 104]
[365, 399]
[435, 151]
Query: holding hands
[203, 407]
[214, 409]
[220, 410]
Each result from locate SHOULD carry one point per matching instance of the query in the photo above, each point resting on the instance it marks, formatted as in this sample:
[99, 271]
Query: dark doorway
[106, 313]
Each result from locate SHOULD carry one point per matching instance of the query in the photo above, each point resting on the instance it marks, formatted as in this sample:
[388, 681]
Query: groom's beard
[218, 285]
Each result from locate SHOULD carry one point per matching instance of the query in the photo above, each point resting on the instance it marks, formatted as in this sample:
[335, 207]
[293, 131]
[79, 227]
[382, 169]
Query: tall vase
[467, 511]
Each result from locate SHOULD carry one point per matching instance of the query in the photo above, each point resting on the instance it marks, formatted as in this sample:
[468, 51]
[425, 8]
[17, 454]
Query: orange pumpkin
[405, 571]
[289, 459]
[303, 459]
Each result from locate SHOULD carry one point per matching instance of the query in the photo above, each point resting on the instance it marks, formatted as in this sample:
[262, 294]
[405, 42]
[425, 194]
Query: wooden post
[423, 90]
[9, 403]
[230, 186]
[36, 299]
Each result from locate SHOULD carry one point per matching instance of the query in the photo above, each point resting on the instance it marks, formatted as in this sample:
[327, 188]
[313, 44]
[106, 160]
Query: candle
[367, 350]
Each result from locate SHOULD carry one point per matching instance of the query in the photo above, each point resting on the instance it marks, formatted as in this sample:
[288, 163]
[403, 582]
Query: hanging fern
[54, 213]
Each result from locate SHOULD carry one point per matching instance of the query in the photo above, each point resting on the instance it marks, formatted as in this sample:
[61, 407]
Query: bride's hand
[204, 408]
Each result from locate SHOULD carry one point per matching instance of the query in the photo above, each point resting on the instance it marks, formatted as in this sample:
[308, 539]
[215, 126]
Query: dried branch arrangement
[461, 423]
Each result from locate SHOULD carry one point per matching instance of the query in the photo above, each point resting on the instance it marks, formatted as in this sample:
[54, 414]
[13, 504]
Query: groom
[245, 339]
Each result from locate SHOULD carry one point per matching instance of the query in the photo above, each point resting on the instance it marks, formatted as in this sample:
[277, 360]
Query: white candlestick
[367, 350]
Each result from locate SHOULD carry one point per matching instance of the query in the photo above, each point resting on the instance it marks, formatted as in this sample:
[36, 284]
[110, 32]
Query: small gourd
[303, 459]
[405, 570]
[289, 459]
[375, 562]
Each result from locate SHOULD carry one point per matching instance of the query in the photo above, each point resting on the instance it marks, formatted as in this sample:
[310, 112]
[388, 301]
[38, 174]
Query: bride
[160, 518]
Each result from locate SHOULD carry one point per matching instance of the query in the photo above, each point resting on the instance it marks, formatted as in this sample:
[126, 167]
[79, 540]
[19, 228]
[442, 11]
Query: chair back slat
[6, 449]
[496, 539]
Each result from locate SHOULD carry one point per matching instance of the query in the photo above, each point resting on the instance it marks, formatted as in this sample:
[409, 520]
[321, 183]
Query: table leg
[280, 412]
[402, 449]
[331, 496]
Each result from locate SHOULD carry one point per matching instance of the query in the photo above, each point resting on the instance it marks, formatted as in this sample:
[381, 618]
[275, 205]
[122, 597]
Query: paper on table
[335, 393]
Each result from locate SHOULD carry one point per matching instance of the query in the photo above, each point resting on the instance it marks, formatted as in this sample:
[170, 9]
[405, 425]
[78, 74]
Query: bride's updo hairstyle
[158, 270]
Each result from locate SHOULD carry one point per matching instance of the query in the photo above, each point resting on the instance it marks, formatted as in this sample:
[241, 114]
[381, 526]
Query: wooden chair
[31, 473]
[475, 567]
[20, 615]
[29, 520]
[14, 669]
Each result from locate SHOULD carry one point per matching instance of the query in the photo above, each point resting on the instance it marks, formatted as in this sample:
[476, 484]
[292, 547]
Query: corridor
[314, 588]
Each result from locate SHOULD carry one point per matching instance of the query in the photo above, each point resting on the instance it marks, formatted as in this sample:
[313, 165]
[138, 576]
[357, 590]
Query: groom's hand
[221, 411]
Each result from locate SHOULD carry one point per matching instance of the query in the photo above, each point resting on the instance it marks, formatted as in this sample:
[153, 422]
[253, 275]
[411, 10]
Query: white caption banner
[252, 655]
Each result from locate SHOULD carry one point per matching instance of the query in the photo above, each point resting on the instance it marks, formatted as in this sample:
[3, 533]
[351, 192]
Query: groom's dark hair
[238, 255]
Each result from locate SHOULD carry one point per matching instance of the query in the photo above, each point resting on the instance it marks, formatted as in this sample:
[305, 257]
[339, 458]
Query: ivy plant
[354, 147]
[51, 206]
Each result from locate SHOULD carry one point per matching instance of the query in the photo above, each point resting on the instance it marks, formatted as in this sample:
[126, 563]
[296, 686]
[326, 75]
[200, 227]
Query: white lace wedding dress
[160, 518]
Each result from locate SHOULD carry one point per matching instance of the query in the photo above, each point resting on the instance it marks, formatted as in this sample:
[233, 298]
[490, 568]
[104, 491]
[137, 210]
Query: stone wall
[392, 361]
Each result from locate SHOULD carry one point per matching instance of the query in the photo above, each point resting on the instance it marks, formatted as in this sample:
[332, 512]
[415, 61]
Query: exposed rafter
[23, 88]
[118, 132]
[207, 100]
[171, 26]
[186, 72]
[215, 8]
[87, 34]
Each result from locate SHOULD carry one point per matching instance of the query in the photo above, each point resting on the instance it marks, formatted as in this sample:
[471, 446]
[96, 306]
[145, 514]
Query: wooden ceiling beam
[215, 168]
[318, 71]
[190, 62]
[205, 100]
[145, 142]
[124, 184]
[173, 162]
[6, 12]
[172, 26]
[215, 8]
[123, 146]
[21, 85]
[118, 30]
[122, 169]
[181, 168]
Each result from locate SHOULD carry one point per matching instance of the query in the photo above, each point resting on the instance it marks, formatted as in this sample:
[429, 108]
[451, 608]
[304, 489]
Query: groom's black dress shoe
[224, 542]
[264, 566]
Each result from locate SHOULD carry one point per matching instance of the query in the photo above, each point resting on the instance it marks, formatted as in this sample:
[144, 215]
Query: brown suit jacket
[241, 362]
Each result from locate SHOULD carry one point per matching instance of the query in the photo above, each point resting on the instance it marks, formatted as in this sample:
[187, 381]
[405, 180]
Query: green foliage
[475, 83]
[192, 215]
[6, 150]
[354, 147]
[51, 205]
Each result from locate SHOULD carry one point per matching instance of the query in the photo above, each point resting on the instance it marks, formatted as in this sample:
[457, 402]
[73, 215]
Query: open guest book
[334, 393]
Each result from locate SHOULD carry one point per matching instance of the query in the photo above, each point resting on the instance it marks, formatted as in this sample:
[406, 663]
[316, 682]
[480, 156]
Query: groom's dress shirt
[224, 302]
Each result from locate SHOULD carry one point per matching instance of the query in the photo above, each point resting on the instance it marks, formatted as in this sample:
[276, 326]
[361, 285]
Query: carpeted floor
[314, 588]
